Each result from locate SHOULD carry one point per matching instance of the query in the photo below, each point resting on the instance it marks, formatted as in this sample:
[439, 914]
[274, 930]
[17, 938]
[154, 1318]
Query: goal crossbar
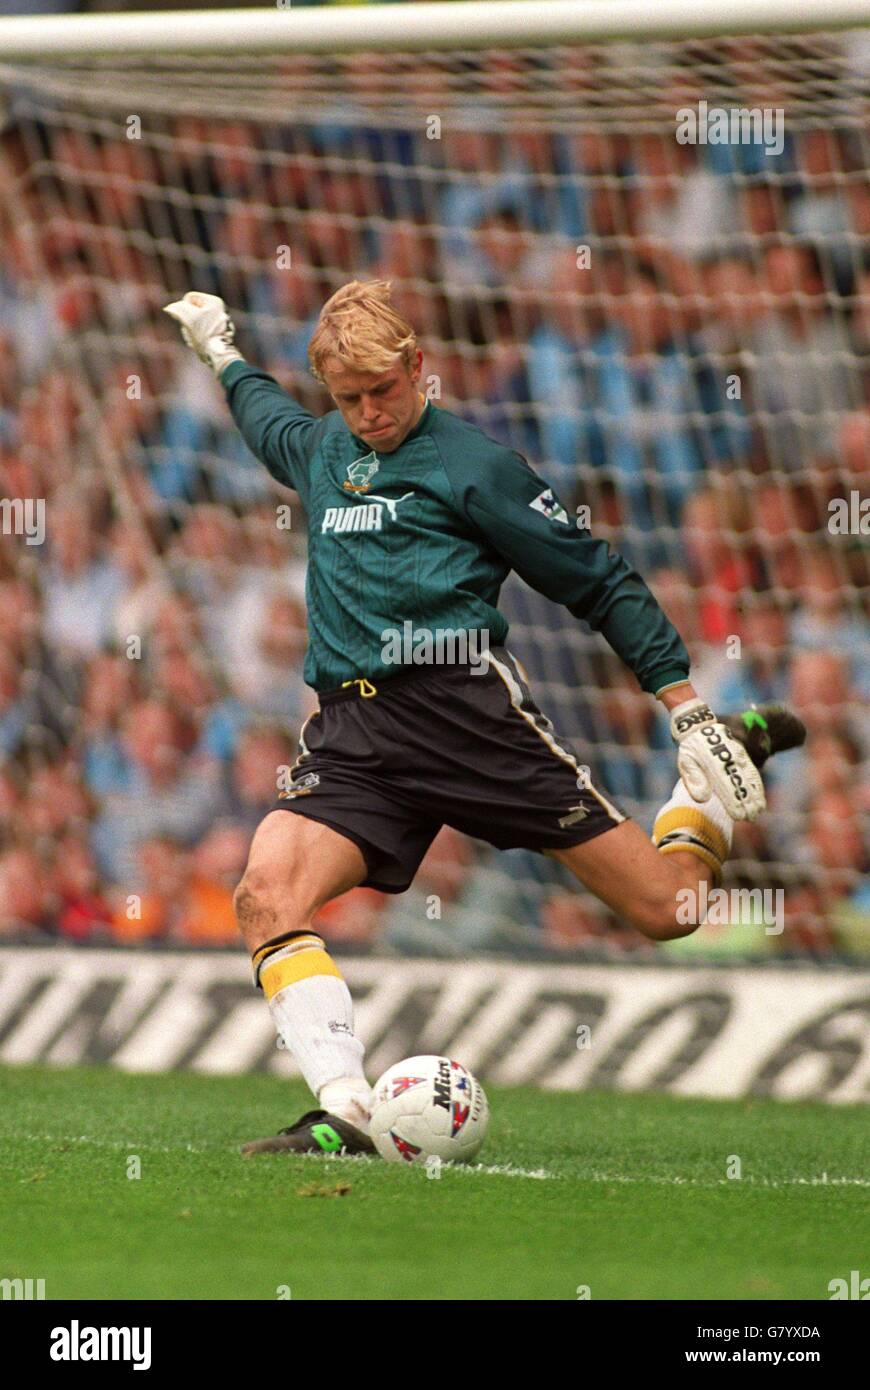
[465, 24]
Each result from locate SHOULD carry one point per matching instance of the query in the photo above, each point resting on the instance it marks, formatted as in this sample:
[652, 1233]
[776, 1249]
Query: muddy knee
[255, 906]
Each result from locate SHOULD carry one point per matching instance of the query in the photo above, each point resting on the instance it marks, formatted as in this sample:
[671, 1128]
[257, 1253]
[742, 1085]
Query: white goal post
[465, 24]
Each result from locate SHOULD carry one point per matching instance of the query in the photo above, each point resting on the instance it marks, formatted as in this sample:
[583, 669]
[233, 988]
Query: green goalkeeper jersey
[421, 540]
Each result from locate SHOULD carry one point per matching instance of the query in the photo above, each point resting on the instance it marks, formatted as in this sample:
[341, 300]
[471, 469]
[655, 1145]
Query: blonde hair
[359, 326]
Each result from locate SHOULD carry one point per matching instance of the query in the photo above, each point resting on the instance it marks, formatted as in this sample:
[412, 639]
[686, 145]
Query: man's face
[379, 407]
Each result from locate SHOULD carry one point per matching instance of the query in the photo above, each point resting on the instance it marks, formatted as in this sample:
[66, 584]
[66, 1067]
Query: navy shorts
[440, 746]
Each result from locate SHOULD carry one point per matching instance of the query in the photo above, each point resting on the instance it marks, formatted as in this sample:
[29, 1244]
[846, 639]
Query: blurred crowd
[676, 336]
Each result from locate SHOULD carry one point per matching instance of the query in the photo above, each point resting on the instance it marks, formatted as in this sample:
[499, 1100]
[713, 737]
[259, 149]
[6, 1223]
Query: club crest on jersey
[545, 502]
[361, 472]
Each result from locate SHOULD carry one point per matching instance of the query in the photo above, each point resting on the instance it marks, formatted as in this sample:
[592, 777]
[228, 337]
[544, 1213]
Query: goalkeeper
[415, 518]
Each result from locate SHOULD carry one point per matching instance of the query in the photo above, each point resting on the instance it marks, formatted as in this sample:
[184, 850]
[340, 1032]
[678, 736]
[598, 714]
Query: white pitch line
[674, 1181]
[500, 1170]
[497, 1170]
[126, 1146]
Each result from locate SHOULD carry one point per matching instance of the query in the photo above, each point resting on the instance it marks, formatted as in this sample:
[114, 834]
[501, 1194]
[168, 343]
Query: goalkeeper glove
[711, 759]
[207, 328]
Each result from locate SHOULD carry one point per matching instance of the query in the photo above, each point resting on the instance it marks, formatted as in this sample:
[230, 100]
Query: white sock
[703, 828]
[314, 1019]
[350, 1097]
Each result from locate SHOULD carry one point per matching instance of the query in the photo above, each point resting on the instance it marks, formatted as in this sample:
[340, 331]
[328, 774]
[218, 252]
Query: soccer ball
[428, 1106]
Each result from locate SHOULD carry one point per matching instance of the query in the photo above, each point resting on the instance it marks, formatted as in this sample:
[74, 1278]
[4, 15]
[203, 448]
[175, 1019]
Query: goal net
[642, 263]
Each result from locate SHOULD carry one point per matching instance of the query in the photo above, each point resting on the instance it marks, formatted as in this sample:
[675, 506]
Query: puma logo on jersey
[362, 516]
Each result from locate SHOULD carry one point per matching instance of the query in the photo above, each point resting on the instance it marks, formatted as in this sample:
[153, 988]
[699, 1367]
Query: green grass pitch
[631, 1197]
